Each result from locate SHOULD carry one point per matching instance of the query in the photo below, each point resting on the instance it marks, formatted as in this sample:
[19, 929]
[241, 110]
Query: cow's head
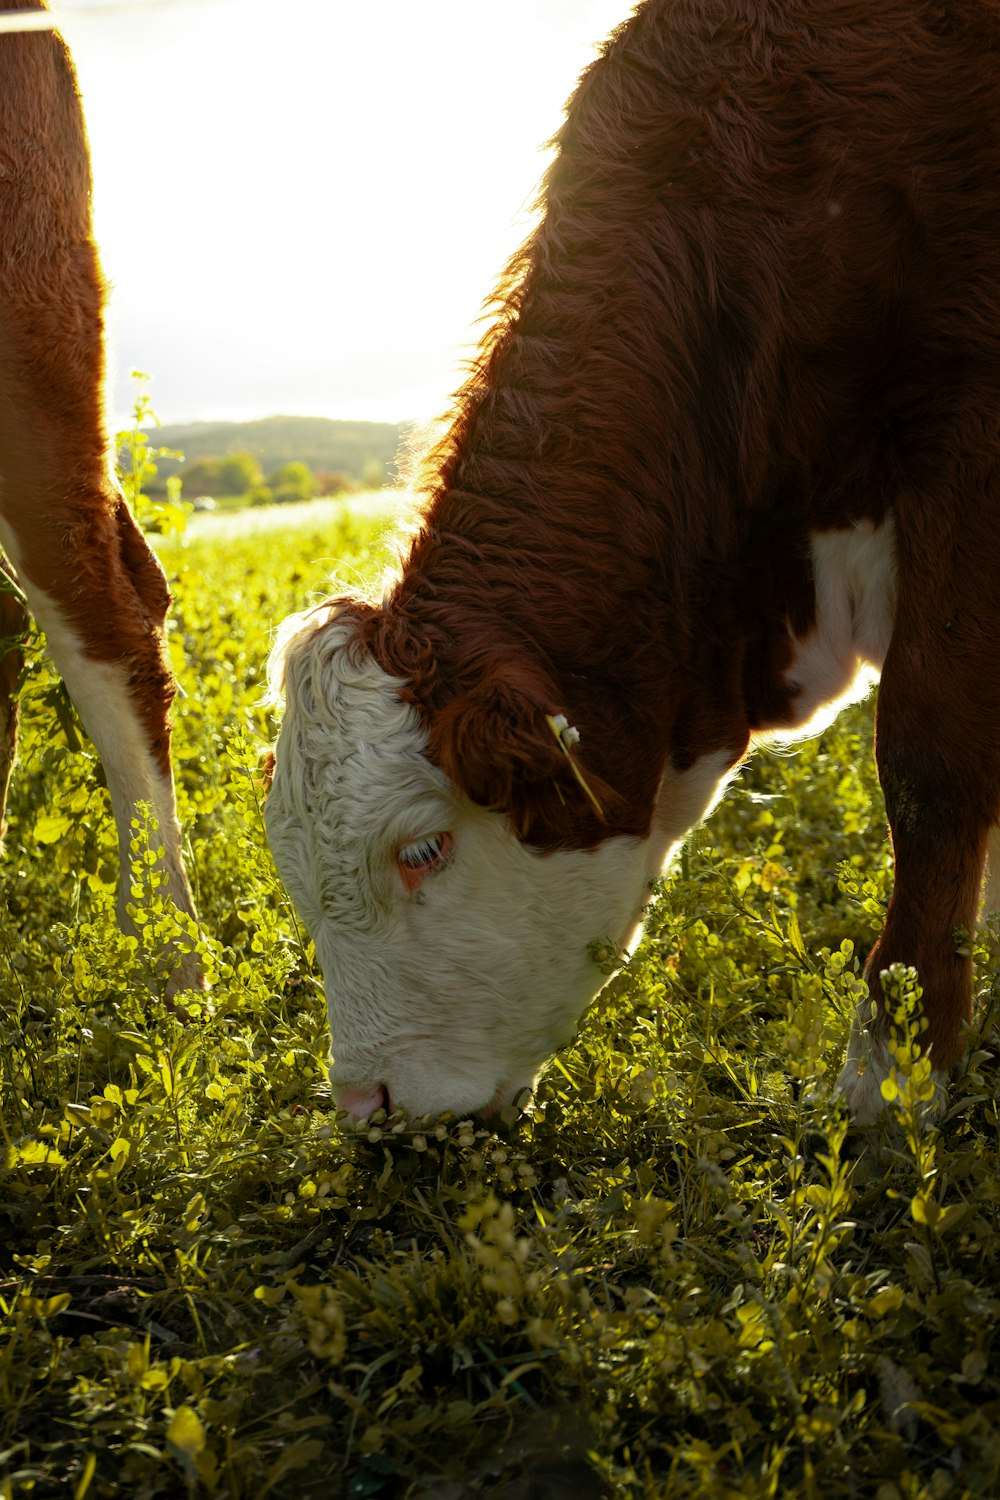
[457, 956]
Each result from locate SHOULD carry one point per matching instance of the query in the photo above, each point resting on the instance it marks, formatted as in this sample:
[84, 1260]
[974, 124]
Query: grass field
[679, 1274]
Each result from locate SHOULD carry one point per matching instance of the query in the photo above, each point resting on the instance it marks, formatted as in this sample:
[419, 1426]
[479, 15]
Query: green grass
[680, 1274]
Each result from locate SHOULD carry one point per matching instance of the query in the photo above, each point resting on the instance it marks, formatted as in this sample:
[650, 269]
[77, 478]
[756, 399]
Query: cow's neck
[563, 579]
[580, 515]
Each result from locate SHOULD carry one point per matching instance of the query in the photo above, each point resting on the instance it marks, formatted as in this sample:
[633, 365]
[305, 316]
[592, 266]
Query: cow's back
[811, 190]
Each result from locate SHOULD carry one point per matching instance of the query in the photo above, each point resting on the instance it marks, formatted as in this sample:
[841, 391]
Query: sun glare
[304, 209]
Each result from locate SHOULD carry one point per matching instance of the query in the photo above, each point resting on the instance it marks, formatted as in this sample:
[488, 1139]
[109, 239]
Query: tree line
[274, 459]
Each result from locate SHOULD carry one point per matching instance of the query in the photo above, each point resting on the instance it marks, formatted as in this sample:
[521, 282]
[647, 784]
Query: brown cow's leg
[90, 579]
[938, 757]
[13, 626]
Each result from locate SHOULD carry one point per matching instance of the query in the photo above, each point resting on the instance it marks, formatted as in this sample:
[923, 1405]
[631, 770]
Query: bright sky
[302, 205]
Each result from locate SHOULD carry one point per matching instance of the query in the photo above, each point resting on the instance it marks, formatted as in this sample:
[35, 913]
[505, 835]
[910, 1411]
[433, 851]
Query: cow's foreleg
[13, 626]
[89, 576]
[100, 596]
[937, 760]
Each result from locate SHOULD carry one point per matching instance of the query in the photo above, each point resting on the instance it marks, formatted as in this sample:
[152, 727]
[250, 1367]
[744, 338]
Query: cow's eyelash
[423, 854]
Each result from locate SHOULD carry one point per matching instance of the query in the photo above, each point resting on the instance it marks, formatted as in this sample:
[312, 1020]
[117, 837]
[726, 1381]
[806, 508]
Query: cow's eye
[419, 859]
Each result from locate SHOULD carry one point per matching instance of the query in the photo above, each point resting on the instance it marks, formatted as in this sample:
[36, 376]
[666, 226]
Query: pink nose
[360, 1103]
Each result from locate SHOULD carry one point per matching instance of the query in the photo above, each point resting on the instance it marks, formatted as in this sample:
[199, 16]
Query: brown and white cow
[733, 439]
[84, 566]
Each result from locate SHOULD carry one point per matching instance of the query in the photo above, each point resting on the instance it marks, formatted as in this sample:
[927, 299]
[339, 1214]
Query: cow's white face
[456, 960]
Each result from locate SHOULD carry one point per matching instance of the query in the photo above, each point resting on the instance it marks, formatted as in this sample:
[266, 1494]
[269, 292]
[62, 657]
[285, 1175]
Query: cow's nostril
[360, 1103]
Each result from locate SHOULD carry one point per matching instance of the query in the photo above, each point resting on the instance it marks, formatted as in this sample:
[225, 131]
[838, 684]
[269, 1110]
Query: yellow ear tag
[566, 737]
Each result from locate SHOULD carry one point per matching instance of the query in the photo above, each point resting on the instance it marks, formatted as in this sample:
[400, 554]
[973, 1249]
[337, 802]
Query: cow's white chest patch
[854, 573]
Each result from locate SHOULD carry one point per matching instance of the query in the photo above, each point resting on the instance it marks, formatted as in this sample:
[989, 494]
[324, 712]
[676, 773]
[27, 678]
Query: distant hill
[365, 452]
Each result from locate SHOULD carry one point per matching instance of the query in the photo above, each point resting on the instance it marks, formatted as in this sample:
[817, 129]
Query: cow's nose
[360, 1103]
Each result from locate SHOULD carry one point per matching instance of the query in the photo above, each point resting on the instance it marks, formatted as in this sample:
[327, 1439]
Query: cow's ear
[505, 748]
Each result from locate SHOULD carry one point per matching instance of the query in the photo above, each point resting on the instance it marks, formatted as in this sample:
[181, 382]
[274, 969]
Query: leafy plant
[679, 1273]
[137, 460]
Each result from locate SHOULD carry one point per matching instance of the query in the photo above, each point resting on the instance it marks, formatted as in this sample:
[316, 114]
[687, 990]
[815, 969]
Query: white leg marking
[839, 660]
[868, 1064]
[684, 800]
[865, 1069]
[100, 691]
